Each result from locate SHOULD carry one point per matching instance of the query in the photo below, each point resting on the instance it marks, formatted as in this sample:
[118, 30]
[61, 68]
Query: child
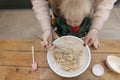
[75, 20]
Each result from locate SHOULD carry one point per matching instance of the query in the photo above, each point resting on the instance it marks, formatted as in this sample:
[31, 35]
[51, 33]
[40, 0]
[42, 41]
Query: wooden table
[16, 59]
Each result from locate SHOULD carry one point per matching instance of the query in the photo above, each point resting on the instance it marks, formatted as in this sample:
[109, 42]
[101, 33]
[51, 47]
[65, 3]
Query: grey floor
[22, 24]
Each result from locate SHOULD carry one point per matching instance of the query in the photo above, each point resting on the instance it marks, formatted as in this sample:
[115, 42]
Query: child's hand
[91, 37]
[47, 38]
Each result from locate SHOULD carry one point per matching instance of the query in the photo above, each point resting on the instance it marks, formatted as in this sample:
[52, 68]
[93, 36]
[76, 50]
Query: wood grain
[20, 45]
[25, 63]
[16, 60]
[25, 58]
[108, 46]
[22, 59]
[25, 73]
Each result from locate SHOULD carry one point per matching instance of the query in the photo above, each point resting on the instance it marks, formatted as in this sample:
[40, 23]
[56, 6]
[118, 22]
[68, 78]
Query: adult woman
[100, 12]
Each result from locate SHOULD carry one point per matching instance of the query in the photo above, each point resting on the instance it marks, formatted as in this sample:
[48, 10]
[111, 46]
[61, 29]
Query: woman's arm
[101, 13]
[41, 10]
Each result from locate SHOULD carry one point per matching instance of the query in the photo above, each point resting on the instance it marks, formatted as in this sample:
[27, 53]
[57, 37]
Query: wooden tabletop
[16, 59]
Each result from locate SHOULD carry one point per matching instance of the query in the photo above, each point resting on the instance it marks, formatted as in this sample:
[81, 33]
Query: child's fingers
[83, 38]
[52, 48]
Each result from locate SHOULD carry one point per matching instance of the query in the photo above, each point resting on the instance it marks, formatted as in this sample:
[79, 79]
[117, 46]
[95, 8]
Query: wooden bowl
[113, 63]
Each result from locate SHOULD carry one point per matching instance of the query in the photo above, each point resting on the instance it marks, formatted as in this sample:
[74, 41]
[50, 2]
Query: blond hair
[72, 9]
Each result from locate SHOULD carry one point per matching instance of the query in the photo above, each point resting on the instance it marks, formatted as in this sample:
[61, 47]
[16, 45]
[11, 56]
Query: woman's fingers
[96, 44]
[86, 41]
[42, 43]
[47, 44]
[90, 42]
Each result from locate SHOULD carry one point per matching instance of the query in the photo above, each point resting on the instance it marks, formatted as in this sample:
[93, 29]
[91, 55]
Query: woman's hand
[47, 38]
[96, 44]
[92, 38]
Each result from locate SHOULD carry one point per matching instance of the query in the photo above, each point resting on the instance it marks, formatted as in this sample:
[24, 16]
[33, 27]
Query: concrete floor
[22, 24]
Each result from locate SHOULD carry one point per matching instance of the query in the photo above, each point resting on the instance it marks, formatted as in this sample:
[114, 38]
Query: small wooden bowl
[113, 63]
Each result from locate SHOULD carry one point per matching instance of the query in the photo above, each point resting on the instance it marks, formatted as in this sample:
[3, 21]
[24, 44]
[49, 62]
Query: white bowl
[113, 63]
[84, 60]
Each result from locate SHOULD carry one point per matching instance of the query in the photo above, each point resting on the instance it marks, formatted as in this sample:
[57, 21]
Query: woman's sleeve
[41, 10]
[101, 13]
